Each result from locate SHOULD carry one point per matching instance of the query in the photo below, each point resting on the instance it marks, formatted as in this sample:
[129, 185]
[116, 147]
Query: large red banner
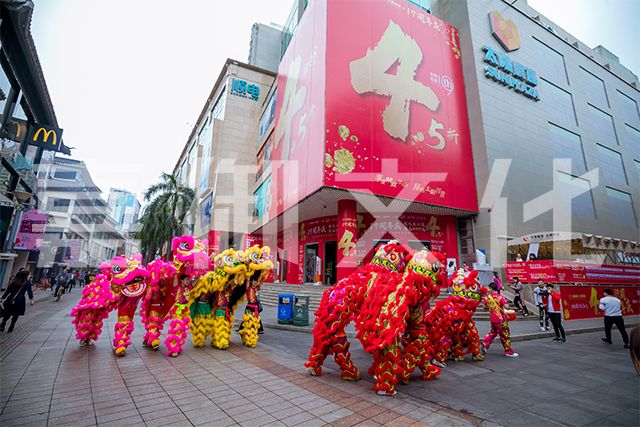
[396, 115]
[581, 302]
[298, 144]
[573, 272]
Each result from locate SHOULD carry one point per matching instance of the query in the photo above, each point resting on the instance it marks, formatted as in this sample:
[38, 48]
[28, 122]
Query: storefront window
[558, 103]
[58, 205]
[193, 158]
[594, 86]
[629, 108]
[611, 165]
[217, 112]
[633, 138]
[567, 144]
[268, 116]
[581, 205]
[602, 126]
[551, 63]
[621, 207]
[205, 141]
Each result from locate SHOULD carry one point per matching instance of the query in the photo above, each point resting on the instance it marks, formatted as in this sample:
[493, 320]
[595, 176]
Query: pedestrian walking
[554, 309]
[13, 300]
[540, 295]
[518, 302]
[612, 316]
[497, 304]
[72, 281]
[497, 281]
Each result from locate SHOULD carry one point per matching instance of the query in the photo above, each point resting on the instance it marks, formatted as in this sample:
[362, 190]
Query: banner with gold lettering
[581, 302]
[396, 113]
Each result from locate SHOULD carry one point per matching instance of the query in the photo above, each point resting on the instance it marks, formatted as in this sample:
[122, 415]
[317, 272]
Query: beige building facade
[219, 159]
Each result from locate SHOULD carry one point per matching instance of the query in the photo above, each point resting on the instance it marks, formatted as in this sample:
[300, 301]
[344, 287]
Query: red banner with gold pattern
[573, 272]
[581, 302]
[396, 113]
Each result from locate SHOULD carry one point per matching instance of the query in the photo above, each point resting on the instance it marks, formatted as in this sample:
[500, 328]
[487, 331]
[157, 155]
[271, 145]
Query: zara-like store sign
[503, 70]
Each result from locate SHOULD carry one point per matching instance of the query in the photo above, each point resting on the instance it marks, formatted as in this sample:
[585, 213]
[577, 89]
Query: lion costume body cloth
[343, 301]
[121, 285]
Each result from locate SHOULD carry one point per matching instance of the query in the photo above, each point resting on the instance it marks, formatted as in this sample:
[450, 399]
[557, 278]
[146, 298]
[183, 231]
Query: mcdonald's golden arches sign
[46, 137]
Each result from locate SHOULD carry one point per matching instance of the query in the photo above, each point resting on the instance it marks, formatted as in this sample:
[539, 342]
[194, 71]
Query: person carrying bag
[13, 300]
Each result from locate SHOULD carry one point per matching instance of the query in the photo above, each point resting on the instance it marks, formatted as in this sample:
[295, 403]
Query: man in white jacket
[612, 316]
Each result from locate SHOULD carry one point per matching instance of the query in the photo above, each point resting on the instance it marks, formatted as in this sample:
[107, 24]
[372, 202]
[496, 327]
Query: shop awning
[588, 241]
[594, 241]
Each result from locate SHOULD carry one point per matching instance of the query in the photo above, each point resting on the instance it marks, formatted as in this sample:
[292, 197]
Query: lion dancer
[158, 301]
[417, 348]
[179, 319]
[96, 302]
[384, 316]
[499, 316]
[259, 266]
[212, 292]
[452, 319]
[224, 306]
[341, 302]
[191, 262]
[130, 277]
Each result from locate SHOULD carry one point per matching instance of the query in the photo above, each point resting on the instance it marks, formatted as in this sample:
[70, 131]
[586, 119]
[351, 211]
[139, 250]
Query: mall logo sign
[505, 31]
[509, 73]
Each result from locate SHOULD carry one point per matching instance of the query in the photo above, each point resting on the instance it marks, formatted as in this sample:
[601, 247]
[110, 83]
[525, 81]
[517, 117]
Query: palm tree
[164, 216]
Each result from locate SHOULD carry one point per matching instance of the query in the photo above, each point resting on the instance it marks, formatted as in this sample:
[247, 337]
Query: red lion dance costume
[189, 258]
[417, 349]
[386, 313]
[341, 302]
[121, 285]
[450, 324]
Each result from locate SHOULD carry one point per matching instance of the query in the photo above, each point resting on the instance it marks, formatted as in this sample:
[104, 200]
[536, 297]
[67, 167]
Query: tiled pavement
[46, 379]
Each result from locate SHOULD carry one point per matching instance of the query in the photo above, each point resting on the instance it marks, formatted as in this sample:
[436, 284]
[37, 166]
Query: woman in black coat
[13, 299]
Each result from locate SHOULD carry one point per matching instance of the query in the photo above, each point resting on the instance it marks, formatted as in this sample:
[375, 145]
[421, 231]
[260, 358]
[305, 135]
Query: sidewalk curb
[514, 338]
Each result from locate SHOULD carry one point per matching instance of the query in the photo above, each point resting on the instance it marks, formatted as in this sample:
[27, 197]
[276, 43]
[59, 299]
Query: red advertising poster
[573, 272]
[298, 143]
[31, 230]
[396, 115]
[581, 302]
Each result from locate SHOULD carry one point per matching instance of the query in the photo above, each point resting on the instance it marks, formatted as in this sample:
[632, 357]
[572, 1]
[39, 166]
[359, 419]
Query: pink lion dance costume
[341, 302]
[159, 299]
[121, 286]
[189, 258]
[94, 307]
[450, 324]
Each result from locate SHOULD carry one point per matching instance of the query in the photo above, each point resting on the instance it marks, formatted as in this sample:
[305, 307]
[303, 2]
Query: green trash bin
[301, 310]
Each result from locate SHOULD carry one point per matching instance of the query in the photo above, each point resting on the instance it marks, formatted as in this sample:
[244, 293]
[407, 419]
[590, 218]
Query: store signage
[46, 137]
[31, 231]
[507, 72]
[245, 90]
[505, 31]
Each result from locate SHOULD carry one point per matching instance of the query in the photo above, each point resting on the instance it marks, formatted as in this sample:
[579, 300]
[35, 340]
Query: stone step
[269, 296]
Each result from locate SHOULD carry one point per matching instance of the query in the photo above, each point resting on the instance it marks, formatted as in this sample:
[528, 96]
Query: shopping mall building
[443, 124]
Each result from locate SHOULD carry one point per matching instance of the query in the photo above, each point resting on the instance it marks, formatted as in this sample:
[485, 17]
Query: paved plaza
[46, 379]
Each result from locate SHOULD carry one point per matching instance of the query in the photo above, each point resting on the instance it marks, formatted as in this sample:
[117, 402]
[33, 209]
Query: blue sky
[129, 78]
